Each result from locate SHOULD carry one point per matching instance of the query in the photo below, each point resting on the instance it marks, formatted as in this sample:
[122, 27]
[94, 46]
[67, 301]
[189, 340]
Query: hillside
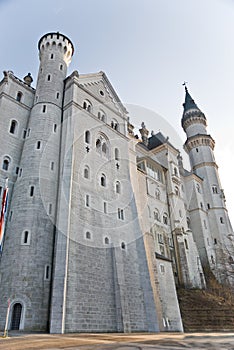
[207, 310]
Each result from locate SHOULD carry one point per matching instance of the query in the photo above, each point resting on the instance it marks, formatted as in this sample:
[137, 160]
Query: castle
[101, 225]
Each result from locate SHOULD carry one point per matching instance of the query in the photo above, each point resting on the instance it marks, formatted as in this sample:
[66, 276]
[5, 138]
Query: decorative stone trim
[199, 140]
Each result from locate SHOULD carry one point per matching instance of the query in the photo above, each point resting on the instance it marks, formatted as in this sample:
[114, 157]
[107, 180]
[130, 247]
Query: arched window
[16, 316]
[98, 145]
[165, 219]
[117, 187]
[87, 136]
[198, 188]
[31, 192]
[156, 215]
[25, 238]
[177, 192]
[115, 124]
[19, 96]
[87, 106]
[157, 193]
[116, 154]
[103, 180]
[13, 127]
[123, 245]
[88, 235]
[86, 172]
[102, 116]
[215, 189]
[188, 222]
[102, 146]
[106, 240]
[6, 163]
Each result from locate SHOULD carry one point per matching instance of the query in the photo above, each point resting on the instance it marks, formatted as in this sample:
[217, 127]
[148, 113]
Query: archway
[16, 316]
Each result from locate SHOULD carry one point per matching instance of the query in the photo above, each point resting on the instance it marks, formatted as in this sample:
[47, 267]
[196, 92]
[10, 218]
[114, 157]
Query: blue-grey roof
[190, 107]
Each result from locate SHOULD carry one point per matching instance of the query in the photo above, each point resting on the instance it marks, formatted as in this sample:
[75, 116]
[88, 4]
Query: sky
[147, 48]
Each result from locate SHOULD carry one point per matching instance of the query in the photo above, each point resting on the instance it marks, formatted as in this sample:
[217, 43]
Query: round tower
[200, 146]
[29, 244]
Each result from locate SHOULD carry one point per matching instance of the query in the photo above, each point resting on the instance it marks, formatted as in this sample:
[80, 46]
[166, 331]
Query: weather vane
[184, 83]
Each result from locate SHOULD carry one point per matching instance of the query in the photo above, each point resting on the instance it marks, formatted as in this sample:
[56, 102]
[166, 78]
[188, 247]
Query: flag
[3, 214]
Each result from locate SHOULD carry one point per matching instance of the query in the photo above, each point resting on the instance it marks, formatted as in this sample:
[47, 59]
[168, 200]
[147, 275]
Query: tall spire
[190, 108]
[189, 102]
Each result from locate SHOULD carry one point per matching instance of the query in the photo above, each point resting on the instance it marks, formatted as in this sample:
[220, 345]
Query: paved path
[161, 341]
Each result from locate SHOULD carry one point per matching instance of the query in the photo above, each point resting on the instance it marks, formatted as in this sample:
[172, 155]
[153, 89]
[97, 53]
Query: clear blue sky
[147, 49]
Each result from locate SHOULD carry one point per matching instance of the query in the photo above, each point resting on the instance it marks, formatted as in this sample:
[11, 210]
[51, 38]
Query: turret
[30, 234]
[216, 234]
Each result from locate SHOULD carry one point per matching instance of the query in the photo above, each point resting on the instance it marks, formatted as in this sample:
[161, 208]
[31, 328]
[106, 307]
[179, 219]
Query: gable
[99, 86]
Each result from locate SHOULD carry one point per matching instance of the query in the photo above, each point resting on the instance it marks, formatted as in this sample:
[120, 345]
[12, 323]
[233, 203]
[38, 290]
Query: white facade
[101, 225]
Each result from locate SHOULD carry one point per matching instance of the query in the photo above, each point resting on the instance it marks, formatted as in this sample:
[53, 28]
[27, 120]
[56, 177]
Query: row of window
[103, 180]
[14, 126]
[101, 115]
[18, 171]
[26, 238]
[102, 144]
[120, 212]
[106, 240]
[156, 216]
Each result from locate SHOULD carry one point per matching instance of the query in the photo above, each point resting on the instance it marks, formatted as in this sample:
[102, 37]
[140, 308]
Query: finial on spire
[185, 86]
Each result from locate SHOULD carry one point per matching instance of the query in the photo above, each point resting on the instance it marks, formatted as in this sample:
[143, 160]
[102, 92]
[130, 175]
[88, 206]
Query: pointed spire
[190, 108]
[189, 102]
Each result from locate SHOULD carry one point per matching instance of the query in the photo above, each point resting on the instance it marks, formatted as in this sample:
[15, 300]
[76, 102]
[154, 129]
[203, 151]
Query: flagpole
[7, 318]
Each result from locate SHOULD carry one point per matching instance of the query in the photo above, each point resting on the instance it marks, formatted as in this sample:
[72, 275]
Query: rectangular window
[55, 127]
[52, 166]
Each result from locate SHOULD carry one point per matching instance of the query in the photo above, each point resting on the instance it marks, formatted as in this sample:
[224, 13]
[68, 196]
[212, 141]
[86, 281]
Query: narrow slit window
[31, 191]
[44, 109]
[50, 209]
[47, 272]
[87, 200]
[38, 144]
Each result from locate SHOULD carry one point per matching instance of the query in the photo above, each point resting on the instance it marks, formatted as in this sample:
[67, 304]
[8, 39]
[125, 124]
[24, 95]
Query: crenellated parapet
[56, 42]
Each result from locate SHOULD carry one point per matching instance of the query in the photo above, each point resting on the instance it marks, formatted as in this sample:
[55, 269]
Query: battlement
[57, 41]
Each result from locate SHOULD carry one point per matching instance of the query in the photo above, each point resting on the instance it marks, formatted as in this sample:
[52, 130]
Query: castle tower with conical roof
[214, 236]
